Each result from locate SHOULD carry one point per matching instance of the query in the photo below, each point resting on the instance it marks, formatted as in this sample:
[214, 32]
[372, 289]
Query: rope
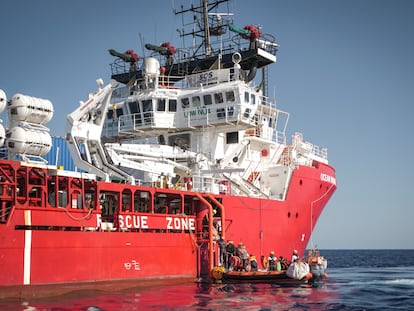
[320, 198]
[81, 218]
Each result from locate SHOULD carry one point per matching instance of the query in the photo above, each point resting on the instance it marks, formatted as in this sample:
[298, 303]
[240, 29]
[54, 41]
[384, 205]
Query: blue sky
[345, 72]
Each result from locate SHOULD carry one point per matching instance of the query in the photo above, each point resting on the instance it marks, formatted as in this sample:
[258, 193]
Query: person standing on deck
[223, 252]
[230, 249]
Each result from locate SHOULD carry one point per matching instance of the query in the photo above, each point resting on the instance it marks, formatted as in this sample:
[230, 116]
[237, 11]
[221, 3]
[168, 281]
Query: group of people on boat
[239, 259]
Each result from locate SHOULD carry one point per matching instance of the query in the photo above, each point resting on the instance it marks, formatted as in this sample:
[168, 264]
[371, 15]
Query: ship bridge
[216, 98]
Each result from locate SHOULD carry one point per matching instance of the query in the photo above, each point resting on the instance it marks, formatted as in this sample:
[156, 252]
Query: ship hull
[42, 245]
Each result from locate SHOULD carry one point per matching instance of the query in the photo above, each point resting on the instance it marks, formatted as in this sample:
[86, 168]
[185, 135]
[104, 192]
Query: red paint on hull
[45, 245]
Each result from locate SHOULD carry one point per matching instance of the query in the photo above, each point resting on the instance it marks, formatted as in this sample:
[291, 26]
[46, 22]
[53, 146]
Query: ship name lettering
[180, 223]
[200, 111]
[133, 221]
[328, 178]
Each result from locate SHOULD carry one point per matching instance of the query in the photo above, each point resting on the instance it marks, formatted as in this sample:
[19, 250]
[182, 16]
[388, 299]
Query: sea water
[357, 280]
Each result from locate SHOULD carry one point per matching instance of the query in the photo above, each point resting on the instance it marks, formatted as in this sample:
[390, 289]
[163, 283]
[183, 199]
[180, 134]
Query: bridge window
[218, 98]
[134, 107]
[196, 101]
[230, 96]
[172, 105]
[207, 100]
[161, 104]
[246, 97]
[185, 102]
[253, 99]
[147, 109]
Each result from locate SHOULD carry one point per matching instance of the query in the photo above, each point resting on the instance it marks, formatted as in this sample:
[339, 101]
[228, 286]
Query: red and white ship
[181, 146]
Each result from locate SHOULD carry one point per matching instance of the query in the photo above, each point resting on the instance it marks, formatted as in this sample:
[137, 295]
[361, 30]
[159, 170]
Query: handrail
[223, 218]
[210, 231]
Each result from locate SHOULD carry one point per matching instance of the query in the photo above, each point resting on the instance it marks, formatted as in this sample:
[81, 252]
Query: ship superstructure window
[90, 194]
[147, 111]
[111, 114]
[246, 113]
[230, 96]
[246, 97]
[126, 200]
[189, 205]
[161, 104]
[253, 99]
[180, 140]
[167, 203]
[119, 112]
[134, 107]
[196, 101]
[218, 97]
[185, 102]
[230, 111]
[270, 122]
[142, 201]
[172, 105]
[109, 205]
[232, 138]
[207, 99]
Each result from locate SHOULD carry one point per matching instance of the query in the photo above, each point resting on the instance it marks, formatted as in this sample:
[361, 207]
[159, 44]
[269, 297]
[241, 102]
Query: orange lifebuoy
[264, 262]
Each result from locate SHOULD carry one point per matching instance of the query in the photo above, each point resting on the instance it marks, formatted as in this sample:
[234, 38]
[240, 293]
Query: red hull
[43, 244]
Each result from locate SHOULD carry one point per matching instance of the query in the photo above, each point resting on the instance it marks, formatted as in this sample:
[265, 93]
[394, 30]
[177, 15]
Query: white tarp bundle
[298, 270]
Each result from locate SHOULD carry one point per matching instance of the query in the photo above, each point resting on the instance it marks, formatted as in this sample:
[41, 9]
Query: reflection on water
[189, 297]
[358, 280]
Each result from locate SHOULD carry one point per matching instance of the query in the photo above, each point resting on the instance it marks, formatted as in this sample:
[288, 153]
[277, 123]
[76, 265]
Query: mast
[207, 45]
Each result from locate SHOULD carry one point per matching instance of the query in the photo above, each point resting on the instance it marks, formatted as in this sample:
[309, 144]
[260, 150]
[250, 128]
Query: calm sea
[358, 280]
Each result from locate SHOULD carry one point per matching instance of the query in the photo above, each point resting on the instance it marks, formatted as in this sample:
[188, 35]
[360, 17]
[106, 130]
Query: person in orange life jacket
[253, 263]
